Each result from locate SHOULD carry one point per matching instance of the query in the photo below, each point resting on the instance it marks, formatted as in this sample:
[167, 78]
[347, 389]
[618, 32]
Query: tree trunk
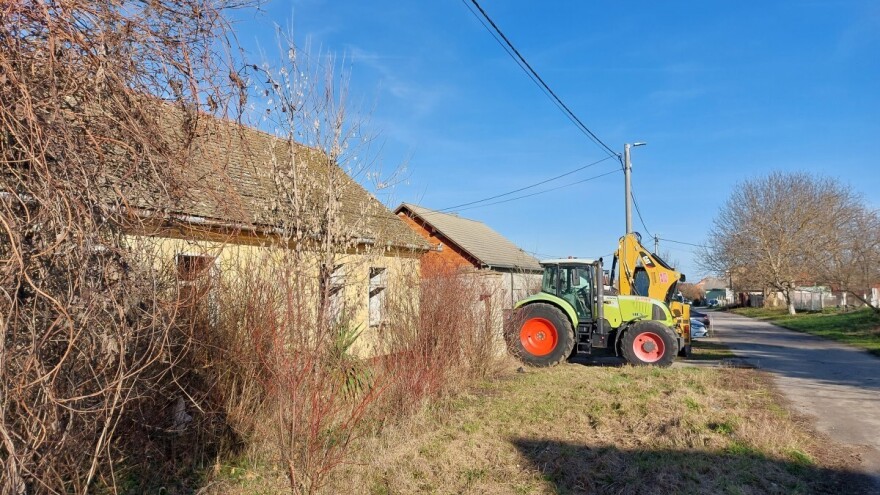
[788, 302]
[867, 302]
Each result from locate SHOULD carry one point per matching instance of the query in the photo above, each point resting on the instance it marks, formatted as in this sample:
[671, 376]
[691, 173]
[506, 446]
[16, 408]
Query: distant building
[710, 283]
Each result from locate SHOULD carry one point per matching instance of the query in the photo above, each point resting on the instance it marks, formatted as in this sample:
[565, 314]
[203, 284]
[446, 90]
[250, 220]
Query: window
[198, 285]
[332, 282]
[576, 288]
[377, 296]
[548, 283]
[641, 281]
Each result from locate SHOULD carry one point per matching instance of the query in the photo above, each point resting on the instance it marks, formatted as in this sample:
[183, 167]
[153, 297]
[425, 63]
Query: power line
[685, 243]
[683, 250]
[542, 255]
[632, 194]
[435, 212]
[527, 187]
[642, 220]
[542, 192]
[533, 75]
[546, 256]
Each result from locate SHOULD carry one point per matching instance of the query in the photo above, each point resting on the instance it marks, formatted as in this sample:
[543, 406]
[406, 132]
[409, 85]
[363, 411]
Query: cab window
[548, 283]
[575, 286]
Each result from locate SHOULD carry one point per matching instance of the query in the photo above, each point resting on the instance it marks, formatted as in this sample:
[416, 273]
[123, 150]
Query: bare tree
[772, 230]
[850, 261]
[691, 291]
[666, 255]
[316, 385]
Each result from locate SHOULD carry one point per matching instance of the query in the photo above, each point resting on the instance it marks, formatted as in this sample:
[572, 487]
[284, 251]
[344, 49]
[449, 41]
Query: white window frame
[376, 295]
[335, 293]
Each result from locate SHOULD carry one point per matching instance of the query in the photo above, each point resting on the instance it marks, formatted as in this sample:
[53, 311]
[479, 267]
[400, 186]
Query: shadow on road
[798, 355]
[579, 468]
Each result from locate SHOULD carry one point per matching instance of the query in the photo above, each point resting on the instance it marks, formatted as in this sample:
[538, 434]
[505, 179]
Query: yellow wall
[239, 257]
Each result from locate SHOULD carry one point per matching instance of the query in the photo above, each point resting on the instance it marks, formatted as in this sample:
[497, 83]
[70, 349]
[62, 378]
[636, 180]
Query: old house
[464, 244]
[246, 197]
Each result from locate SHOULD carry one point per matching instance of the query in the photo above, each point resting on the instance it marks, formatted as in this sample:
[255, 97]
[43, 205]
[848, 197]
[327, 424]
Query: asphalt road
[836, 384]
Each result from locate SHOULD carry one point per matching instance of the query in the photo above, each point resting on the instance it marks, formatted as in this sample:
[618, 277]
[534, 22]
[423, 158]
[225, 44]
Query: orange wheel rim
[649, 347]
[538, 336]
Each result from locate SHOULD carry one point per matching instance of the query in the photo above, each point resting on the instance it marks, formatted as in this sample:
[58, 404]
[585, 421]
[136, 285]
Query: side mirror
[681, 279]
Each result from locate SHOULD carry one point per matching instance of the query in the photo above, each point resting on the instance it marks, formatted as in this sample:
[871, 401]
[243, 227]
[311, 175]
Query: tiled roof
[476, 238]
[235, 173]
[710, 283]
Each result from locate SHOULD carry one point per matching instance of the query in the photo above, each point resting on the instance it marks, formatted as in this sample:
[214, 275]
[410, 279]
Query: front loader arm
[639, 268]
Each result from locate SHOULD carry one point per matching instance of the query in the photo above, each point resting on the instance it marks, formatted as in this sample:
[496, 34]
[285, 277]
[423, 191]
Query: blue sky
[720, 91]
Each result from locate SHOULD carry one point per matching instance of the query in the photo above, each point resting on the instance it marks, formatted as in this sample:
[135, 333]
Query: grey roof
[476, 238]
[233, 172]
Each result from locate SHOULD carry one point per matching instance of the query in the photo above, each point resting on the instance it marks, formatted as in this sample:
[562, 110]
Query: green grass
[703, 350]
[857, 328]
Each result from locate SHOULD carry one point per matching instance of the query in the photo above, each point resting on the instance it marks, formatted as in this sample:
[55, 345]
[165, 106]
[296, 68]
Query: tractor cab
[574, 281]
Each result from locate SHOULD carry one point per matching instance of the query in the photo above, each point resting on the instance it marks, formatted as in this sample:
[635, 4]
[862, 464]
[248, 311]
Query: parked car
[698, 330]
[701, 317]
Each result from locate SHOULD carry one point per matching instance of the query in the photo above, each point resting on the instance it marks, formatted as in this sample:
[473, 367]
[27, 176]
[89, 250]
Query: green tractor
[573, 315]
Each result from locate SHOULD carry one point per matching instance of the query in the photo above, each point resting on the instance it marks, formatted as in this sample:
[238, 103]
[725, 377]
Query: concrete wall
[499, 292]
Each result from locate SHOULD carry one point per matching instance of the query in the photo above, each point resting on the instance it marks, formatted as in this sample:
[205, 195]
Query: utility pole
[657, 244]
[627, 172]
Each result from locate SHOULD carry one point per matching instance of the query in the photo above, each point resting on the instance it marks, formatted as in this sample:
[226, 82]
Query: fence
[816, 300]
[812, 300]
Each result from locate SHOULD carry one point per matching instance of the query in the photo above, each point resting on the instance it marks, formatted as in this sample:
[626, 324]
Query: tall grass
[295, 391]
[439, 342]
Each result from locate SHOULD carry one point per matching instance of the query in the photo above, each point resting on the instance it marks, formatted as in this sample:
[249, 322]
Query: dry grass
[577, 429]
[587, 429]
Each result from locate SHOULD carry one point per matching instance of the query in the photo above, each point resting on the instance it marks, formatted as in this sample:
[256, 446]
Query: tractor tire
[541, 335]
[649, 342]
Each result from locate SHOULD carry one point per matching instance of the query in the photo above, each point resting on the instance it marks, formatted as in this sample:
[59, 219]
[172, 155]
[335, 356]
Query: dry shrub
[88, 334]
[292, 388]
[290, 379]
[292, 383]
[441, 342]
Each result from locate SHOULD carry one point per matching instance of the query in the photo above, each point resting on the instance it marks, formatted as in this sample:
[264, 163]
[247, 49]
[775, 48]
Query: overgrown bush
[291, 379]
[89, 341]
[297, 393]
[443, 340]
[117, 373]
